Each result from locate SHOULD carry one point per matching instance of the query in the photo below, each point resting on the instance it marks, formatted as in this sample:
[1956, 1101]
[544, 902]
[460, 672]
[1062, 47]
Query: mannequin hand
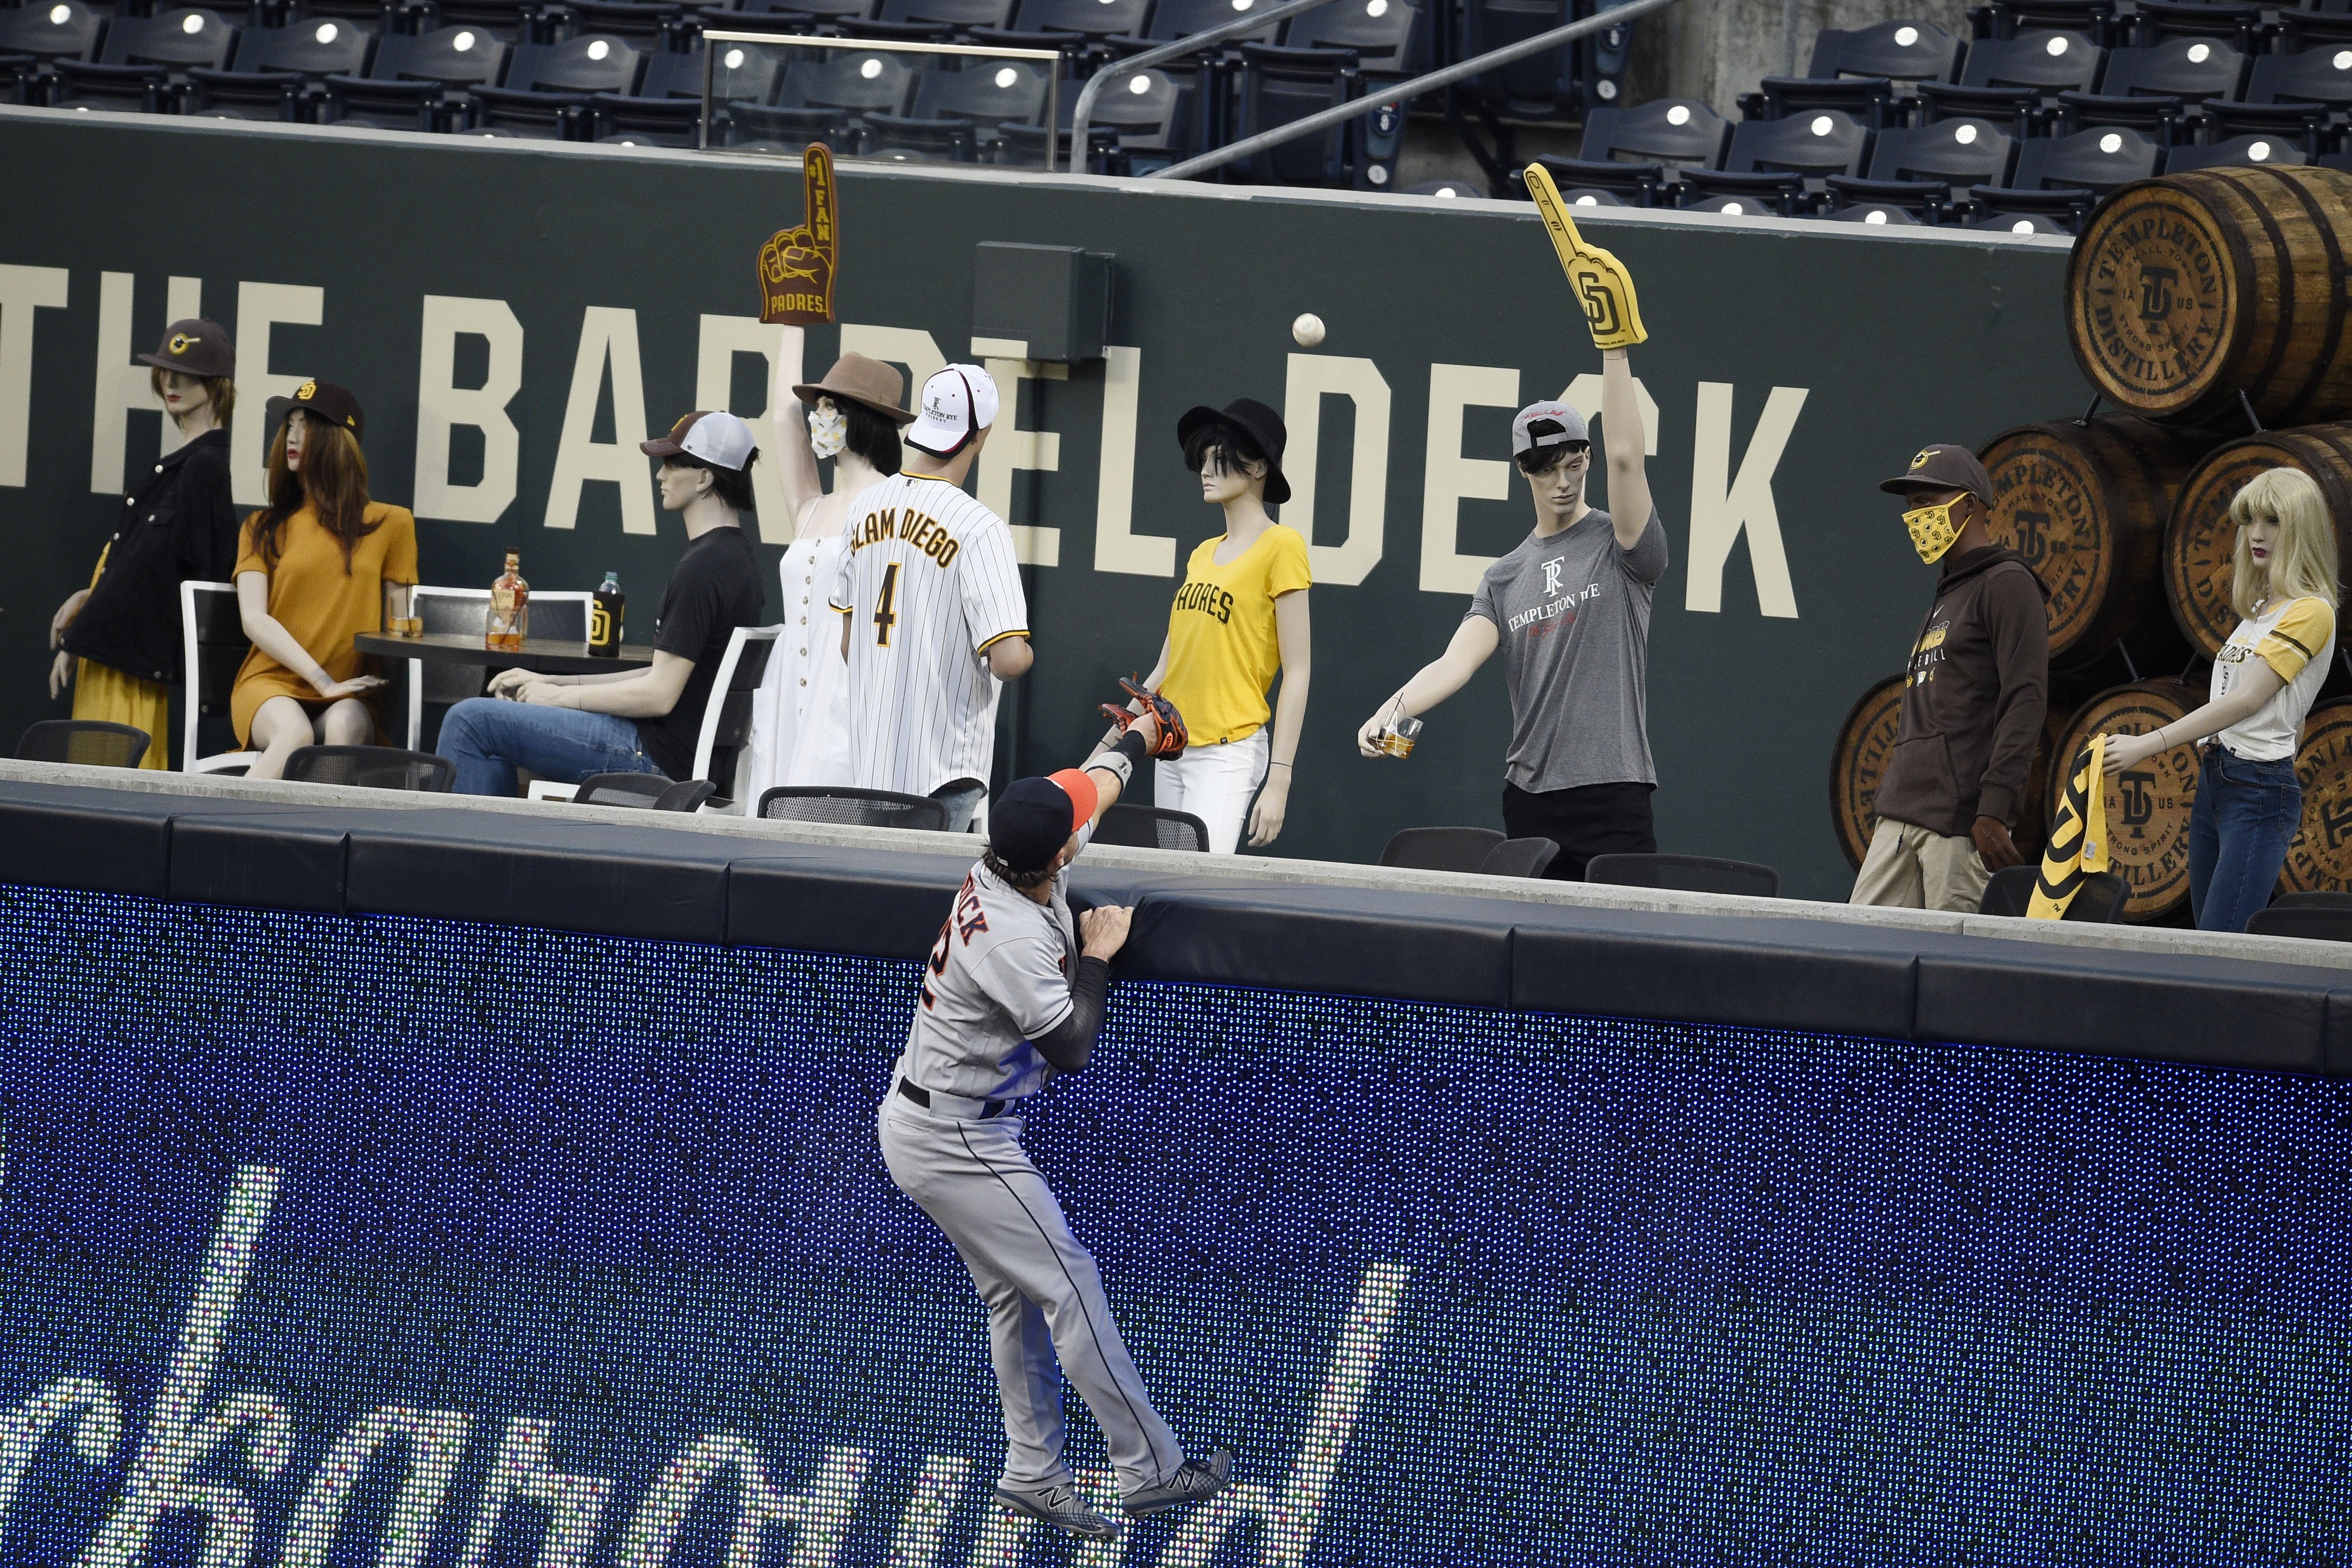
[358, 686]
[1273, 805]
[1995, 847]
[61, 674]
[542, 694]
[1367, 739]
[2123, 751]
[66, 612]
[507, 682]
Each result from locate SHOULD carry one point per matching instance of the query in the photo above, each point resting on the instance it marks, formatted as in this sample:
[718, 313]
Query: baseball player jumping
[1013, 996]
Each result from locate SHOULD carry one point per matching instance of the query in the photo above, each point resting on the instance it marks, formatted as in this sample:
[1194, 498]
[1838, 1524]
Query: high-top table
[545, 656]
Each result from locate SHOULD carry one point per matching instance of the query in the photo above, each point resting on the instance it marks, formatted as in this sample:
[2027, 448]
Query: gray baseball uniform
[999, 980]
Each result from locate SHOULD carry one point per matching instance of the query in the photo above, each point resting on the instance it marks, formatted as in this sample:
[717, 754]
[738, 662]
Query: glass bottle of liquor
[604, 618]
[510, 617]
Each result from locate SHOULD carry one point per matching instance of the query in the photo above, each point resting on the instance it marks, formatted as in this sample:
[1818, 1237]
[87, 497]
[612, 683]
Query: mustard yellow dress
[104, 693]
[321, 605]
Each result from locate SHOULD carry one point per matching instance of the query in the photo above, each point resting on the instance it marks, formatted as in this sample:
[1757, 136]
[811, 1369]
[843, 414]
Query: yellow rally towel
[2078, 838]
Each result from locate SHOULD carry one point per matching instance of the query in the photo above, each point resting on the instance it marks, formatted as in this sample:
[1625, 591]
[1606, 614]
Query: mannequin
[800, 727]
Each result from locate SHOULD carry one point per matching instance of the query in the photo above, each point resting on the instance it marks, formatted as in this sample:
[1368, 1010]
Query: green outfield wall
[515, 316]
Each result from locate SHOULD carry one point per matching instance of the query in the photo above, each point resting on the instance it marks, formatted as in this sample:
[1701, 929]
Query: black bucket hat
[196, 348]
[321, 400]
[1260, 423]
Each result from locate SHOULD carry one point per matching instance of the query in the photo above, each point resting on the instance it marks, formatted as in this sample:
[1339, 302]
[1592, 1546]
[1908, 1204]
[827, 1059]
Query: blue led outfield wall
[335, 1242]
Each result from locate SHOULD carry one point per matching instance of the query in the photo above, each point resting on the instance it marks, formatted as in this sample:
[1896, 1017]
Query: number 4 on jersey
[886, 613]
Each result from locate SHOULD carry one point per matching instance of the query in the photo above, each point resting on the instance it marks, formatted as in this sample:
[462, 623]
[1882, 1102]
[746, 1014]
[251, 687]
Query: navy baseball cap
[1031, 821]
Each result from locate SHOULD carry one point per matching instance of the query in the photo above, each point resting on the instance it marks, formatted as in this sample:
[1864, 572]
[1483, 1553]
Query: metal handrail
[800, 41]
[1341, 113]
[1083, 112]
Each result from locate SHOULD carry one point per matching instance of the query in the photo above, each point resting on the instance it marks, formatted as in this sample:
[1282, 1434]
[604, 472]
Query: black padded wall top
[625, 880]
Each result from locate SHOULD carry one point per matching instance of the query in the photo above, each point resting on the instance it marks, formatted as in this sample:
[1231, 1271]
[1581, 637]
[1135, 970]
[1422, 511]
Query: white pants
[1046, 1315]
[1216, 784]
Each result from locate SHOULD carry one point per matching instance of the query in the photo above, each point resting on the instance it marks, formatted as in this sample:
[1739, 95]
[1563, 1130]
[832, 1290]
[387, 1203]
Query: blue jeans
[489, 738]
[2245, 816]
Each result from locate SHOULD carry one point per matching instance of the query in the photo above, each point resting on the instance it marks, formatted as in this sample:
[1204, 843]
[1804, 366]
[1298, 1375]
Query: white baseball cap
[719, 439]
[958, 403]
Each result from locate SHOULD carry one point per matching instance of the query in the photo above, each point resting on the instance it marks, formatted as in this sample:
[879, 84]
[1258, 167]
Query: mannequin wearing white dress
[800, 725]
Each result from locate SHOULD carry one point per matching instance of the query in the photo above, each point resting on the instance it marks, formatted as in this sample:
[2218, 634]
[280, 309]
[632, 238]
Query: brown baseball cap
[321, 400]
[1943, 466]
[867, 381]
[194, 347]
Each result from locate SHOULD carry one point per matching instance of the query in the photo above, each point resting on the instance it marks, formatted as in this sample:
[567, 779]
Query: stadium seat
[2293, 31]
[509, 21]
[1174, 19]
[1822, 143]
[84, 742]
[2322, 75]
[1449, 189]
[2019, 108]
[1902, 51]
[649, 24]
[2089, 160]
[826, 100]
[2308, 922]
[1876, 214]
[2009, 893]
[58, 30]
[648, 792]
[175, 39]
[372, 767]
[1075, 27]
[1519, 858]
[2005, 19]
[1591, 196]
[1869, 99]
[1685, 873]
[1278, 86]
[409, 82]
[1152, 827]
[2050, 62]
[1923, 201]
[2152, 22]
[1675, 132]
[2242, 150]
[666, 111]
[1023, 147]
[785, 15]
[1630, 185]
[277, 66]
[1956, 153]
[1541, 87]
[2163, 121]
[1141, 121]
[2044, 212]
[2307, 125]
[17, 75]
[1440, 848]
[123, 90]
[2184, 68]
[1381, 32]
[930, 21]
[955, 113]
[862, 807]
[548, 87]
[1743, 196]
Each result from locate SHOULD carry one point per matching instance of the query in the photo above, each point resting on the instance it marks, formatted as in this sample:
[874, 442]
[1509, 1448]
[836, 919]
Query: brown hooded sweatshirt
[1972, 710]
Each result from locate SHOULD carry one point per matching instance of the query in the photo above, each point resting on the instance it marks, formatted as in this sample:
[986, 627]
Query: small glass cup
[1399, 733]
[408, 626]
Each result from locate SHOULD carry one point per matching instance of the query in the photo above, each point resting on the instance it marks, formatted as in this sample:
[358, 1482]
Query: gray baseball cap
[1524, 438]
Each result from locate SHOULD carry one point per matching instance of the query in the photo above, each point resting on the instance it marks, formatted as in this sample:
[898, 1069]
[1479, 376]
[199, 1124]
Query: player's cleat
[1195, 1481]
[1059, 1505]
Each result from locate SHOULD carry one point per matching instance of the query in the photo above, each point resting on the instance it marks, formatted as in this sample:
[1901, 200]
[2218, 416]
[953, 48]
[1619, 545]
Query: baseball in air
[1308, 331]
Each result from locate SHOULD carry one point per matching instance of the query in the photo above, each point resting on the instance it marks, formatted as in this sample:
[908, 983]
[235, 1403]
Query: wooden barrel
[2200, 539]
[2186, 291]
[2320, 859]
[1866, 739]
[2086, 504]
[2147, 805]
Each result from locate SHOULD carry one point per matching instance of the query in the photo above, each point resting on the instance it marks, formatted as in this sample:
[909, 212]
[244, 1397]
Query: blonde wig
[2302, 561]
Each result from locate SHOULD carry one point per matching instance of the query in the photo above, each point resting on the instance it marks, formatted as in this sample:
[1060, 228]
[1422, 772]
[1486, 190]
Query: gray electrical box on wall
[1054, 298]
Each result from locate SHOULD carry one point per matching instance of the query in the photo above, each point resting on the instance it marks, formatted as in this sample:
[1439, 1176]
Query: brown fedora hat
[864, 381]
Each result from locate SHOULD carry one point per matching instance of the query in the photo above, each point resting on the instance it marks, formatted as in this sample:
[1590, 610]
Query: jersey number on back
[886, 613]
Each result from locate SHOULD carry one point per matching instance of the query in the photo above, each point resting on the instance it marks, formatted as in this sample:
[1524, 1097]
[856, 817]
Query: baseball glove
[1603, 285]
[1172, 738]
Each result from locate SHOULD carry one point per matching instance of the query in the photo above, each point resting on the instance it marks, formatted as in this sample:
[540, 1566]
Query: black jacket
[178, 522]
[1979, 679]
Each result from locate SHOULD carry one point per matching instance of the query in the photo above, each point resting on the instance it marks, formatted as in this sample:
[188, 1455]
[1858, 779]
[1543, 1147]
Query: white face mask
[828, 429]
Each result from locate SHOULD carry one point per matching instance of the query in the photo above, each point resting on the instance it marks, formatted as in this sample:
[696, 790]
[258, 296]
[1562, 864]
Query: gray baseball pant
[1044, 1293]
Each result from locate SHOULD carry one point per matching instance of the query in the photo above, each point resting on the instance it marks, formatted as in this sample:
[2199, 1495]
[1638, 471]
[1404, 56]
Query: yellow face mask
[1932, 531]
